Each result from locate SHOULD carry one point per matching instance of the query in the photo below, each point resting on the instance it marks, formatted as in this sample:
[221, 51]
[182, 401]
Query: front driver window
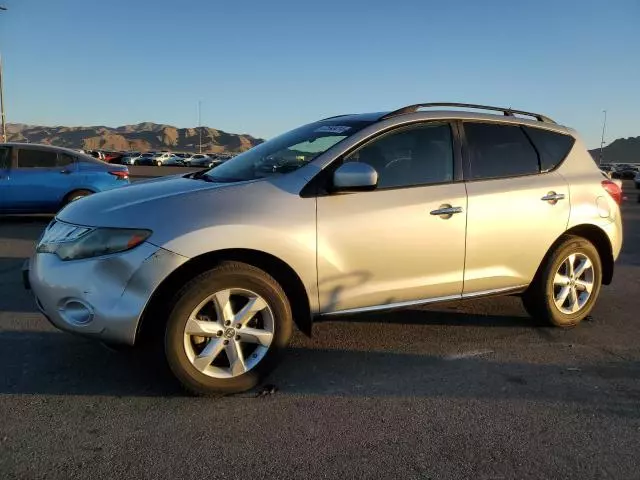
[417, 155]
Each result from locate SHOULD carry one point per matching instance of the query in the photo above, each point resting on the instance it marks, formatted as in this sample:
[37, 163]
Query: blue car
[42, 179]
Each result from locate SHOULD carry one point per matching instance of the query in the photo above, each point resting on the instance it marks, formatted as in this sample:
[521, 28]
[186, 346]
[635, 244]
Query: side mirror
[355, 177]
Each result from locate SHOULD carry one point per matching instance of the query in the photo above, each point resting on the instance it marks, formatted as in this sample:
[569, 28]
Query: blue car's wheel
[76, 195]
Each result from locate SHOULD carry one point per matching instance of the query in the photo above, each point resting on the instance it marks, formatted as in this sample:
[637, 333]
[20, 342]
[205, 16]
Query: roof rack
[335, 116]
[508, 112]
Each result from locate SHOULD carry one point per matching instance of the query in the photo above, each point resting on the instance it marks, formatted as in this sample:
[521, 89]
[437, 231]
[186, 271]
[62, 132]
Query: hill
[141, 137]
[622, 150]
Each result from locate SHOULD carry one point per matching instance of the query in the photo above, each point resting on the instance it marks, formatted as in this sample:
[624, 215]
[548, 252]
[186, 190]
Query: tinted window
[553, 147]
[5, 157]
[64, 159]
[498, 151]
[417, 155]
[31, 158]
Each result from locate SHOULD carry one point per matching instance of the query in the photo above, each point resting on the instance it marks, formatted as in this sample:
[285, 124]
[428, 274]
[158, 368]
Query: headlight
[82, 242]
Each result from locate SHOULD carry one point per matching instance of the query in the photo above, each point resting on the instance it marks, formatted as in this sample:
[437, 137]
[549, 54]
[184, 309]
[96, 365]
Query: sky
[264, 67]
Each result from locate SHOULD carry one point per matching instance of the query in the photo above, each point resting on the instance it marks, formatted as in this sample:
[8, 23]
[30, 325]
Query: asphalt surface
[462, 390]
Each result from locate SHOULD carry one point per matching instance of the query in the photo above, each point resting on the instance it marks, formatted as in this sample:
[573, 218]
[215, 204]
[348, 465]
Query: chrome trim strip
[391, 306]
[413, 303]
[494, 291]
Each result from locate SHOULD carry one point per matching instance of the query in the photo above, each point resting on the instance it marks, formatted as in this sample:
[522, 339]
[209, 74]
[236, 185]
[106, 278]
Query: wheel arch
[282, 272]
[598, 238]
[66, 197]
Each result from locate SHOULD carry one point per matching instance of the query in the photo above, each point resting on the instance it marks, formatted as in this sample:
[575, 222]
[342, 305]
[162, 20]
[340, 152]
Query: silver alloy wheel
[573, 283]
[229, 333]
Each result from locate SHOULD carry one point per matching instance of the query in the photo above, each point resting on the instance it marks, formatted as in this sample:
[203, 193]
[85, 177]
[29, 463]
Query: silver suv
[350, 214]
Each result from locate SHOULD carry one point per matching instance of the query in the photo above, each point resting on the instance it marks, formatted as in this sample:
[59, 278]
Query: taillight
[121, 174]
[613, 189]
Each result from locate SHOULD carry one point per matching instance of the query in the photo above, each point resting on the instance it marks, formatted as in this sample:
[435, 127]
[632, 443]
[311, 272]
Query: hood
[142, 204]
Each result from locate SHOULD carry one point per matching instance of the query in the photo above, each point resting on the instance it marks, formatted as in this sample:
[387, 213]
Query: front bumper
[100, 297]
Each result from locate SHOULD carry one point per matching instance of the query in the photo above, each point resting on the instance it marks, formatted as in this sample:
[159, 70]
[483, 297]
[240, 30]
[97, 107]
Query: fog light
[75, 312]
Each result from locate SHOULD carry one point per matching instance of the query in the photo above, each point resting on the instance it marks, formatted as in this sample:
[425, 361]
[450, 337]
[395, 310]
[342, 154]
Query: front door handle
[446, 211]
[65, 172]
[553, 197]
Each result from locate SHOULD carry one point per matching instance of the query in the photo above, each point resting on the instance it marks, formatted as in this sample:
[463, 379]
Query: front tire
[567, 285]
[227, 329]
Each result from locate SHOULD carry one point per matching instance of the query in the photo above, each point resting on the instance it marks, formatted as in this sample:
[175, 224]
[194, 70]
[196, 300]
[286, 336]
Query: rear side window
[64, 159]
[499, 151]
[553, 147]
[5, 157]
[31, 158]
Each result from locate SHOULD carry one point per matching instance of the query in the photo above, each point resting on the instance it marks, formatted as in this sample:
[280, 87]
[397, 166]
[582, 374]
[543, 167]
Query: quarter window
[418, 155]
[499, 151]
[32, 158]
[553, 147]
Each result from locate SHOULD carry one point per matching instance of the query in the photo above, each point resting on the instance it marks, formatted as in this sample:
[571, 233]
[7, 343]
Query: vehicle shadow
[52, 363]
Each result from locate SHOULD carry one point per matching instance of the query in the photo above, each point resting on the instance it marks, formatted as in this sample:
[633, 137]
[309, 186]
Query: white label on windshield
[333, 129]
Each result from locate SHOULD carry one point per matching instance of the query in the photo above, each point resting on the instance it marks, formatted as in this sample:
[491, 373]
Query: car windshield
[287, 152]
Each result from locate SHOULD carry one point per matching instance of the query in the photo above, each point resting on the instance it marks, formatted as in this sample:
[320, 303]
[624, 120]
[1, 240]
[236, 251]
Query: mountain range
[139, 137]
[153, 136]
[622, 150]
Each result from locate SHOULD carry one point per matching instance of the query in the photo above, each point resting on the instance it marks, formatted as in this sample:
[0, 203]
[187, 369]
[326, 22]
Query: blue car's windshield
[287, 152]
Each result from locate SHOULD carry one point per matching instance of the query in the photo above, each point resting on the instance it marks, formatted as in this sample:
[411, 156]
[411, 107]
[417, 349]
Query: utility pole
[199, 126]
[604, 126]
[4, 122]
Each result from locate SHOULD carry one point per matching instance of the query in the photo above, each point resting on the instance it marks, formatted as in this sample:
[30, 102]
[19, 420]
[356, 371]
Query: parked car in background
[199, 160]
[167, 159]
[113, 157]
[95, 154]
[146, 158]
[625, 172]
[130, 158]
[387, 210]
[42, 179]
[636, 180]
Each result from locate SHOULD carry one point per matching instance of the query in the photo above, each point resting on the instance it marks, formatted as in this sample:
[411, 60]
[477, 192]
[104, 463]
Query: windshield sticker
[333, 129]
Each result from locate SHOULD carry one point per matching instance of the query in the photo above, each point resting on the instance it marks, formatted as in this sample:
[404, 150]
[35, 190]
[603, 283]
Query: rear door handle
[553, 197]
[446, 211]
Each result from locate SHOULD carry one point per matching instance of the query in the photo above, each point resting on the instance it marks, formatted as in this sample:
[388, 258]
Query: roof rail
[508, 112]
[335, 116]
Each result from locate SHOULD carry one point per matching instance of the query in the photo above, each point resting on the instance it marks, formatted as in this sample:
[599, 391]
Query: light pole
[199, 127]
[604, 126]
[4, 120]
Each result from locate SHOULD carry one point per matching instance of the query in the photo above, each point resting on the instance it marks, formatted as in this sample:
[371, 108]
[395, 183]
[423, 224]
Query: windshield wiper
[222, 180]
[197, 175]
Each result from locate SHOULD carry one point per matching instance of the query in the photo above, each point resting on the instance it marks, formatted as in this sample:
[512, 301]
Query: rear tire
[210, 305]
[158, 163]
[567, 285]
[75, 195]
